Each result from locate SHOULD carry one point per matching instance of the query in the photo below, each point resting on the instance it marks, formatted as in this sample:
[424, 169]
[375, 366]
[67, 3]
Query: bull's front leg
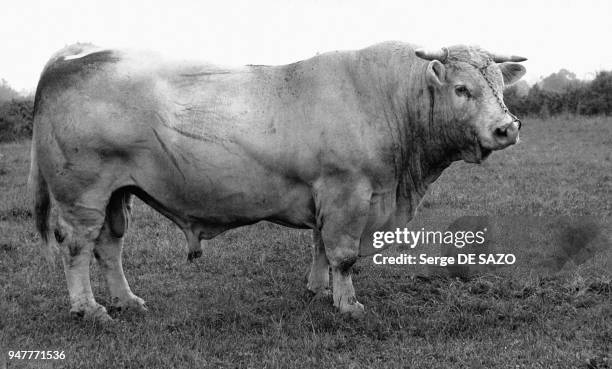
[342, 257]
[318, 279]
[343, 214]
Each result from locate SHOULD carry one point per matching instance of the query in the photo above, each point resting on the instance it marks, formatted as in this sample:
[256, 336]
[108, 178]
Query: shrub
[16, 119]
[571, 97]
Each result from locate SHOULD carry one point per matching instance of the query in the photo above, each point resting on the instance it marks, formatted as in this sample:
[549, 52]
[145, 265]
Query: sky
[552, 34]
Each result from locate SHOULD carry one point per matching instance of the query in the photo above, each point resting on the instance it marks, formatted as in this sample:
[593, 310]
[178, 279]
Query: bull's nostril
[501, 132]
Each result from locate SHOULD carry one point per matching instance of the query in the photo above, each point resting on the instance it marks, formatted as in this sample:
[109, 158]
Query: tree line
[559, 93]
[562, 93]
[16, 113]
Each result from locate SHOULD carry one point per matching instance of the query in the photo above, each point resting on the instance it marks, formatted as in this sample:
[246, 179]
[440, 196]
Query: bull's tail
[41, 204]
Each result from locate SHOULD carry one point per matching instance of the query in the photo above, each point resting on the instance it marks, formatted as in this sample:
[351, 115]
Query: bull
[345, 143]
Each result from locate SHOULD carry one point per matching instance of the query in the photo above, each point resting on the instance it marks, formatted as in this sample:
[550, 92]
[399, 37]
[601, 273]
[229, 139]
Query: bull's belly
[214, 195]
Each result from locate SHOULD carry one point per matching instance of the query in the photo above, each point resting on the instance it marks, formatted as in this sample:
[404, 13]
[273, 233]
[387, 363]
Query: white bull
[344, 143]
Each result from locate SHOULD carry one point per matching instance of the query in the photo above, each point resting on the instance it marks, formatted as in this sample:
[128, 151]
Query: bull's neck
[421, 122]
[415, 122]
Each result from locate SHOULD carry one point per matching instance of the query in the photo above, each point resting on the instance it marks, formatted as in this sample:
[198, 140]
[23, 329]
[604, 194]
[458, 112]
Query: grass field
[244, 303]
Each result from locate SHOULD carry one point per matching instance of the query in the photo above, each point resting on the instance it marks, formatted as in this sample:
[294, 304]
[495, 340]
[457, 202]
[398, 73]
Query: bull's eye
[462, 90]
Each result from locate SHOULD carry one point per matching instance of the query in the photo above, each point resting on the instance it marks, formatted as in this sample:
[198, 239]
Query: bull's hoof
[356, 310]
[320, 294]
[194, 255]
[133, 303]
[317, 286]
[352, 307]
[95, 313]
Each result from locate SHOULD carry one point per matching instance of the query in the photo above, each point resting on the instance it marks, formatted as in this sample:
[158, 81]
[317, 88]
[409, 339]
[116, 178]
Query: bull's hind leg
[108, 249]
[76, 229]
[318, 279]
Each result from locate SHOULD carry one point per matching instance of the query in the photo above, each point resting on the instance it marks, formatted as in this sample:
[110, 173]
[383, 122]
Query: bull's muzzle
[507, 134]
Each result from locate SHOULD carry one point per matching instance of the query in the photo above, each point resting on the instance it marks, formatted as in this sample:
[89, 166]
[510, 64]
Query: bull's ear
[512, 72]
[436, 73]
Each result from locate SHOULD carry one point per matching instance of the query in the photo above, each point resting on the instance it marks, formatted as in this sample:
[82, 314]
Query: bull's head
[468, 84]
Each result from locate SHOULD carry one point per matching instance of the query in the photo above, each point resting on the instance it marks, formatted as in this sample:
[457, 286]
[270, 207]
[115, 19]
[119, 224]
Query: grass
[244, 303]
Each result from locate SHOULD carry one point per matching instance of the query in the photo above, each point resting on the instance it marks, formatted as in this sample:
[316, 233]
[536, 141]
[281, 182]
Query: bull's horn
[500, 58]
[433, 54]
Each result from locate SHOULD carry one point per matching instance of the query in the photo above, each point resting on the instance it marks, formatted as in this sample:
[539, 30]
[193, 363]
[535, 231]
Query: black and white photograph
[306, 184]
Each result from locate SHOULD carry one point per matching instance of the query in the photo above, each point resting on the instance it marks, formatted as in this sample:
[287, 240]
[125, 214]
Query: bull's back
[191, 140]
